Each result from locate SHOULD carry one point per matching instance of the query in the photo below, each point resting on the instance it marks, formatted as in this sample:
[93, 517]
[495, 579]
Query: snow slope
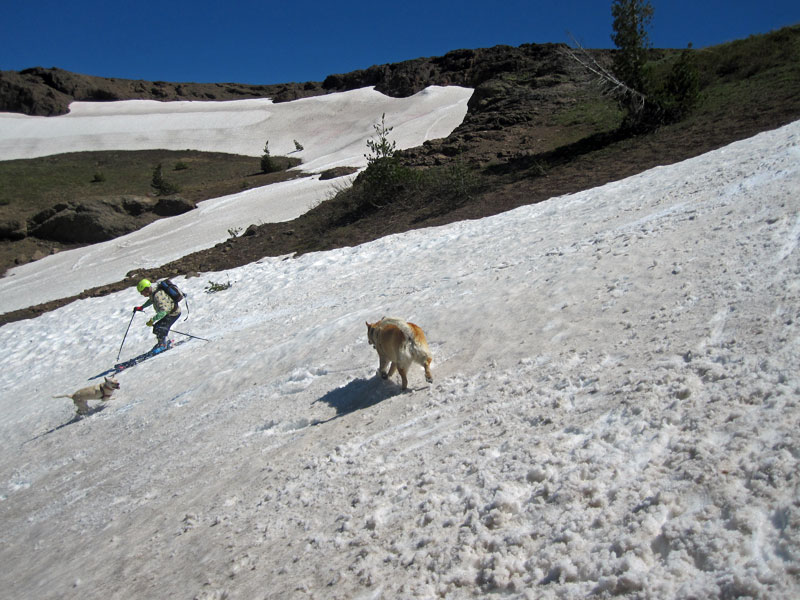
[614, 412]
[332, 129]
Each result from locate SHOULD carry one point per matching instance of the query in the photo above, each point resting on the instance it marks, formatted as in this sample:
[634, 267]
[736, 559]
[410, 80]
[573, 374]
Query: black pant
[161, 328]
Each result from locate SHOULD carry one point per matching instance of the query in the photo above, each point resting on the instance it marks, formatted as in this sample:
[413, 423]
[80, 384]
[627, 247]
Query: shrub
[161, 186]
[681, 89]
[268, 165]
[214, 287]
[381, 147]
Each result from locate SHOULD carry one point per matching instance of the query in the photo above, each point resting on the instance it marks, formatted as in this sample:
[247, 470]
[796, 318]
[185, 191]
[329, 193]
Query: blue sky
[279, 42]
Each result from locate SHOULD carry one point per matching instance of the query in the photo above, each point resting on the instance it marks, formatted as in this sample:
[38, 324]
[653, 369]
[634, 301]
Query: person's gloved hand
[149, 323]
[137, 309]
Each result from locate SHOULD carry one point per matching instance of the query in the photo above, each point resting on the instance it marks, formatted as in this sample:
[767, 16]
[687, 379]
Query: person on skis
[167, 310]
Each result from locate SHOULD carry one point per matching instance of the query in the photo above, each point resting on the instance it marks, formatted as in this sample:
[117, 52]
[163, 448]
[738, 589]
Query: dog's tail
[419, 345]
[420, 353]
[63, 396]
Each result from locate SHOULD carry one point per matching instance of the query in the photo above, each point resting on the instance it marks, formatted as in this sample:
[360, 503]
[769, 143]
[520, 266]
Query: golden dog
[400, 343]
[101, 391]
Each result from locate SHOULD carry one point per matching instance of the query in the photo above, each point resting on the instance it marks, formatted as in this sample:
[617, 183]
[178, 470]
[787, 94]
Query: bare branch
[605, 78]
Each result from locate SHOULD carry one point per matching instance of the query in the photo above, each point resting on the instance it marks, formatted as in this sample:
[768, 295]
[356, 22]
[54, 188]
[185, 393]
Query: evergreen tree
[161, 186]
[267, 164]
[631, 20]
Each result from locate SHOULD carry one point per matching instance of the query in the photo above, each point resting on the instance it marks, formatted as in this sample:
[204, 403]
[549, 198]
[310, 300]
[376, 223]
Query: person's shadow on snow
[359, 394]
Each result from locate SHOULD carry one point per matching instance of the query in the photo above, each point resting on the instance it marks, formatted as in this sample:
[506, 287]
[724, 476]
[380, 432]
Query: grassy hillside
[28, 187]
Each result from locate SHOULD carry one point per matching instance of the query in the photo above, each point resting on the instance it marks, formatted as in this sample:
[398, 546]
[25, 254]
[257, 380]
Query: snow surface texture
[332, 129]
[614, 412]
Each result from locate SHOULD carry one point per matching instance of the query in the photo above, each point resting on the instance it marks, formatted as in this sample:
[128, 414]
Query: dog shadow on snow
[75, 419]
[359, 394]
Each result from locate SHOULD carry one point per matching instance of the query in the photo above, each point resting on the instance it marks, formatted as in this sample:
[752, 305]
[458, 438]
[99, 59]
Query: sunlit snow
[614, 411]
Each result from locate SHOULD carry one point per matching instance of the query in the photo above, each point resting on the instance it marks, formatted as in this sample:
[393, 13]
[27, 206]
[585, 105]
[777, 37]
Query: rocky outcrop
[48, 92]
[172, 206]
[92, 221]
[337, 172]
[13, 230]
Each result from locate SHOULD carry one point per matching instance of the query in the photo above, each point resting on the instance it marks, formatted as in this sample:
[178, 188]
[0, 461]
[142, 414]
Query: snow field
[614, 412]
[332, 129]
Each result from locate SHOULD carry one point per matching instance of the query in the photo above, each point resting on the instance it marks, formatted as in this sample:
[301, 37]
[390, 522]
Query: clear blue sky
[280, 41]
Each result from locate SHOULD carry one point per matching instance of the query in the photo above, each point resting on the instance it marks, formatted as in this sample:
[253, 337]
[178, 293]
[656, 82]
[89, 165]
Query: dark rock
[137, 205]
[337, 172]
[174, 205]
[86, 222]
[13, 230]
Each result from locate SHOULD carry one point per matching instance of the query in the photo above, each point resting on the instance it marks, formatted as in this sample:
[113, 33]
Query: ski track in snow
[614, 412]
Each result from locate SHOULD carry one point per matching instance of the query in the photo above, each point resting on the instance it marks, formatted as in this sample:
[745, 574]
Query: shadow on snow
[357, 395]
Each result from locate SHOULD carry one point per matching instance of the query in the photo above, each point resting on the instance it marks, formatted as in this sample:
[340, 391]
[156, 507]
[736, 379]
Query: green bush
[268, 164]
[678, 92]
[387, 182]
[161, 186]
[214, 287]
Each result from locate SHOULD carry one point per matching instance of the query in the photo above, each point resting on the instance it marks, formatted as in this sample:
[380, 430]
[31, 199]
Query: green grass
[597, 114]
[28, 186]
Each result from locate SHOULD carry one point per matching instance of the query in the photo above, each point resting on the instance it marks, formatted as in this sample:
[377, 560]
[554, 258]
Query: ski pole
[126, 335]
[189, 335]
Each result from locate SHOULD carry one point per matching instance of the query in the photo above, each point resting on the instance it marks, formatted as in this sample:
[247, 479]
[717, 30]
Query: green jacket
[163, 305]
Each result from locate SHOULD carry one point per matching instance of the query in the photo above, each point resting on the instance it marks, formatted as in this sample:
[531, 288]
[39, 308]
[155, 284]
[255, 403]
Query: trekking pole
[189, 335]
[126, 334]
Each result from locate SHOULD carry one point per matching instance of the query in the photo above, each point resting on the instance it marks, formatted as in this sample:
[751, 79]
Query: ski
[131, 362]
[142, 357]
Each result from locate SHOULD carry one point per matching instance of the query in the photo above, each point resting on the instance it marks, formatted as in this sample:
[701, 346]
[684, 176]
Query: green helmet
[142, 285]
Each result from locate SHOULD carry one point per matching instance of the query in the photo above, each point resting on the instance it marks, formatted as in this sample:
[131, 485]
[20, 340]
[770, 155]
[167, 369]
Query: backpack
[171, 289]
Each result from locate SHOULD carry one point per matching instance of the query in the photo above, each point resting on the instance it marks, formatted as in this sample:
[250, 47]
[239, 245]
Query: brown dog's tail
[419, 344]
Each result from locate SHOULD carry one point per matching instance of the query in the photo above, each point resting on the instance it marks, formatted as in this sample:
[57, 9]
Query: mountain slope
[615, 412]
[536, 128]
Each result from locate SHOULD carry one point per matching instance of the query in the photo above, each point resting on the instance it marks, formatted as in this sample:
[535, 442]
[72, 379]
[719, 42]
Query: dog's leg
[382, 368]
[427, 367]
[82, 406]
[402, 372]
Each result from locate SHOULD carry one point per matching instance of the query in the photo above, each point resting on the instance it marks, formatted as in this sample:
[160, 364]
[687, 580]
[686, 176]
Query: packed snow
[614, 412]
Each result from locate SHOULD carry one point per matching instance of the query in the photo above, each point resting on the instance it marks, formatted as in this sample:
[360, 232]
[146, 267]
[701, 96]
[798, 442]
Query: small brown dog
[101, 391]
[400, 343]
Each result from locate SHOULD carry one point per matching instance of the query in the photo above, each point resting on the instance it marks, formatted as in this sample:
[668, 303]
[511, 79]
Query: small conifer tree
[267, 164]
[381, 147]
[161, 186]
